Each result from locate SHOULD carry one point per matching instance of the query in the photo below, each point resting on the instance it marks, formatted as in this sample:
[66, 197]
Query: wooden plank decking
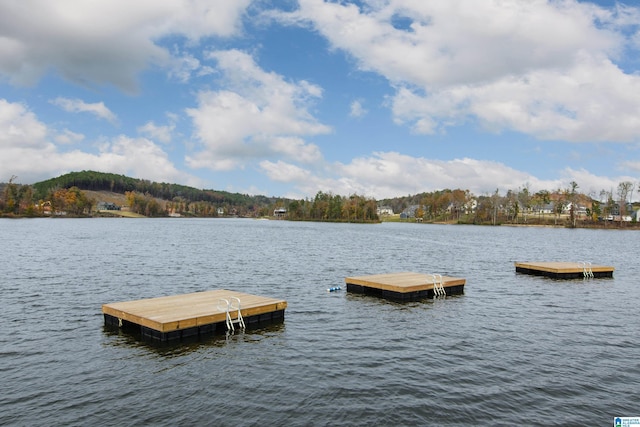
[563, 270]
[195, 312]
[403, 285]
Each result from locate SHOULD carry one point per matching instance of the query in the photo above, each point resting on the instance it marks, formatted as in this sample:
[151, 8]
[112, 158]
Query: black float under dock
[405, 286]
[176, 317]
[564, 270]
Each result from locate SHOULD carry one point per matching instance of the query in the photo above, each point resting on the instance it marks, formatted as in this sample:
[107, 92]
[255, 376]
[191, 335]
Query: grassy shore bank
[549, 221]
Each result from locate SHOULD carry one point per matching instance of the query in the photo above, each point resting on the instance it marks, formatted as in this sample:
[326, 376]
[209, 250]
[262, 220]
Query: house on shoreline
[384, 210]
[107, 206]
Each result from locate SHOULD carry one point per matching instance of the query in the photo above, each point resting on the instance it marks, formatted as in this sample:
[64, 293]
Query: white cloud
[285, 172]
[633, 165]
[20, 129]
[67, 137]
[155, 132]
[458, 41]
[590, 102]
[28, 153]
[306, 182]
[391, 174]
[591, 184]
[357, 110]
[185, 65]
[138, 157]
[259, 115]
[107, 42]
[79, 106]
[538, 67]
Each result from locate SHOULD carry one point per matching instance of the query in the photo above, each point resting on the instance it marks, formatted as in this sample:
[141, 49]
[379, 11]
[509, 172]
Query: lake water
[513, 350]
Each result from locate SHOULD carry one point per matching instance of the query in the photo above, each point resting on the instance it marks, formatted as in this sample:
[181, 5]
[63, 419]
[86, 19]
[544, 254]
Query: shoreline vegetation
[90, 194]
[545, 222]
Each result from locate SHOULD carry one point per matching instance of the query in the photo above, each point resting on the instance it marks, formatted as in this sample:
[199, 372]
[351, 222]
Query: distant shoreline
[600, 225]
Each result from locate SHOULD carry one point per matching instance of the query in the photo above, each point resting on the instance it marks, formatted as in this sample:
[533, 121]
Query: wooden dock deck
[404, 286]
[180, 316]
[564, 270]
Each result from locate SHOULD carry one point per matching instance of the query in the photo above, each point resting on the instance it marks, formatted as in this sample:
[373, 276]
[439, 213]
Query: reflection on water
[117, 337]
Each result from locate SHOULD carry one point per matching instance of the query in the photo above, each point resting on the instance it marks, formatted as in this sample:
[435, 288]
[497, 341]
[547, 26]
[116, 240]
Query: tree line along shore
[92, 194]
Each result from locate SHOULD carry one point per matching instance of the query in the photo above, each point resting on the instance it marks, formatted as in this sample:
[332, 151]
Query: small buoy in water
[335, 288]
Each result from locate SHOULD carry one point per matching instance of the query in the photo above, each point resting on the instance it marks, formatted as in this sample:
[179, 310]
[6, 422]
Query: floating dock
[564, 270]
[191, 315]
[405, 286]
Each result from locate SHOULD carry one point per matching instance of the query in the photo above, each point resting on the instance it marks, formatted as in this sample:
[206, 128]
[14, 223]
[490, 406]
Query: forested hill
[80, 194]
[100, 181]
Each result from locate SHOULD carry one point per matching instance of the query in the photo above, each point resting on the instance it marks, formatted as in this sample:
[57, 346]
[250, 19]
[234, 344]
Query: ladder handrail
[587, 273]
[438, 285]
[239, 318]
[225, 308]
[227, 305]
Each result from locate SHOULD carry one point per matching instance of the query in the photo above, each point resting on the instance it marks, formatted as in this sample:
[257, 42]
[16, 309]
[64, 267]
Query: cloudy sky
[381, 98]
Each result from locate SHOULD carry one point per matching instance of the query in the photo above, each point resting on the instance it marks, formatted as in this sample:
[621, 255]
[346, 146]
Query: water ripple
[513, 350]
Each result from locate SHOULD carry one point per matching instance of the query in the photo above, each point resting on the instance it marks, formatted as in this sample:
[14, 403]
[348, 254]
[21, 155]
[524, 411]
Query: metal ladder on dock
[438, 286]
[587, 271]
[229, 305]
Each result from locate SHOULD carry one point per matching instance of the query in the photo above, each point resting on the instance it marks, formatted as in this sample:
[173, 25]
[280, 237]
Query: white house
[385, 210]
[279, 212]
[580, 210]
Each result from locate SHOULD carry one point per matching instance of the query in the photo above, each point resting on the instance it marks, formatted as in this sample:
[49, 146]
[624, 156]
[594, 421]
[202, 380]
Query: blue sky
[382, 98]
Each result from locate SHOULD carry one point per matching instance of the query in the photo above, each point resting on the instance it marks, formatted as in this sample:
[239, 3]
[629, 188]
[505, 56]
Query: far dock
[405, 286]
[564, 270]
[176, 317]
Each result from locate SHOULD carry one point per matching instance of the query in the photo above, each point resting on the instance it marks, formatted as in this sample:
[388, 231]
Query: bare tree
[572, 199]
[495, 202]
[625, 190]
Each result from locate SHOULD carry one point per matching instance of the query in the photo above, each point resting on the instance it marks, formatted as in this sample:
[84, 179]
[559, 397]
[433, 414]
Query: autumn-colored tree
[596, 210]
[459, 199]
[484, 210]
[320, 209]
[72, 201]
[26, 201]
[10, 196]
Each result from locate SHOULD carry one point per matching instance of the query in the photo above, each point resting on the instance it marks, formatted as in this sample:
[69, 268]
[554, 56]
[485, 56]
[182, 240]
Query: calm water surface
[513, 350]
